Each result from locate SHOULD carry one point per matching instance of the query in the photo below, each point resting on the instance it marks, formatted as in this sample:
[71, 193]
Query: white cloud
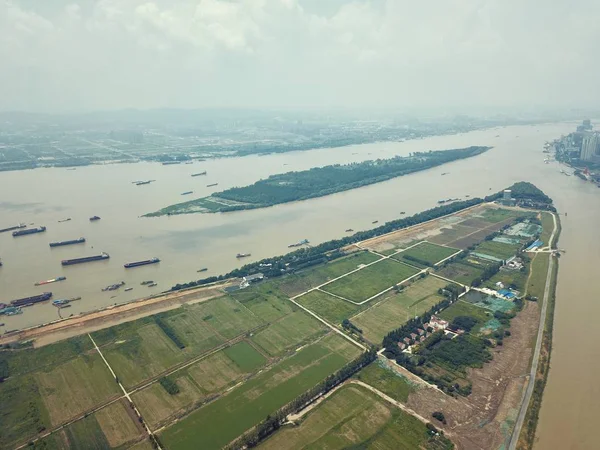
[271, 53]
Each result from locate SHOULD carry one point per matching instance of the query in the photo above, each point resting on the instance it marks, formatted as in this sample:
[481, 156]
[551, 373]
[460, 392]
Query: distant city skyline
[442, 55]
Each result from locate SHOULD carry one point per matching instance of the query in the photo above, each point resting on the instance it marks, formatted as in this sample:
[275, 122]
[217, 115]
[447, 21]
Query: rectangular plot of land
[227, 316]
[452, 234]
[367, 282]
[327, 306]
[462, 272]
[117, 424]
[226, 418]
[246, 357]
[292, 330]
[396, 309]
[265, 301]
[498, 250]
[313, 277]
[76, 386]
[462, 308]
[426, 254]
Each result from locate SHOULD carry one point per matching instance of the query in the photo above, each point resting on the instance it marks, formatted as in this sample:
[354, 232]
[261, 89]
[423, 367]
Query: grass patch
[426, 254]
[315, 276]
[117, 424]
[367, 282]
[462, 272]
[246, 357]
[539, 274]
[498, 215]
[386, 380]
[354, 418]
[547, 227]
[231, 415]
[328, 307]
[396, 308]
[265, 301]
[85, 433]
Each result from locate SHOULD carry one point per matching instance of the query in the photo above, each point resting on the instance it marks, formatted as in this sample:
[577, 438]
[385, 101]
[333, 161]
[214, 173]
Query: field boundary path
[514, 439]
[127, 396]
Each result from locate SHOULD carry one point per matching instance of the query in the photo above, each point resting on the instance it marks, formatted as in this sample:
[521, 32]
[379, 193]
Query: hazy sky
[58, 55]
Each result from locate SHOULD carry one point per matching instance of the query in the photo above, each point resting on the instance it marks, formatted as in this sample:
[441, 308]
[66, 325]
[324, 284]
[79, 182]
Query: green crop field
[37, 386]
[246, 357]
[395, 309]
[462, 272]
[265, 301]
[426, 252]
[462, 308]
[207, 377]
[547, 227]
[141, 349]
[221, 421]
[354, 418]
[290, 331]
[328, 307]
[497, 249]
[76, 386]
[315, 276]
[508, 278]
[386, 380]
[367, 282]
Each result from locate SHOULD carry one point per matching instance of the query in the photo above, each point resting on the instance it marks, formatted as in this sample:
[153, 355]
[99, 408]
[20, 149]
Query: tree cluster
[169, 385]
[169, 331]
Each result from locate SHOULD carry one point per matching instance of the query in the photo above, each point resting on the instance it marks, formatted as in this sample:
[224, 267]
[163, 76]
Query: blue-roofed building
[507, 294]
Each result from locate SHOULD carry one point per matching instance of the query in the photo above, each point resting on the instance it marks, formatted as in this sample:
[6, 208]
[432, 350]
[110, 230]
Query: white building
[590, 146]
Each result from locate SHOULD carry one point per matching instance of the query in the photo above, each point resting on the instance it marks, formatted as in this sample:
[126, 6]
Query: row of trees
[273, 422]
[169, 331]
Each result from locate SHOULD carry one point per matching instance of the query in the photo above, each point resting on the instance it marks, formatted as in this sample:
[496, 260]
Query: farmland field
[75, 386]
[223, 420]
[462, 272]
[204, 378]
[539, 272]
[426, 252]
[327, 306]
[117, 424]
[395, 309]
[497, 249]
[315, 276]
[292, 330]
[353, 418]
[499, 214]
[367, 282]
[386, 380]
[138, 351]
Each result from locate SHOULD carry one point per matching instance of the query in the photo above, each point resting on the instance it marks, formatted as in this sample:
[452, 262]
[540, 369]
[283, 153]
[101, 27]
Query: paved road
[536, 354]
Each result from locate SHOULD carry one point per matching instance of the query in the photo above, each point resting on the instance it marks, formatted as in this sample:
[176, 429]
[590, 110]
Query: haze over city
[68, 56]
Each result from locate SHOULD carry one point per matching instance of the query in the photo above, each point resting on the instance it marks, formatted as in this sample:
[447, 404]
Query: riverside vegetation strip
[317, 182]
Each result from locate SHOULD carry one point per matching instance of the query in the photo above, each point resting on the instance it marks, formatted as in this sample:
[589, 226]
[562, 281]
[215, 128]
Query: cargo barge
[94, 218]
[53, 280]
[29, 231]
[299, 244]
[72, 241]
[141, 263]
[199, 174]
[32, 300]
[16, 227]
[242, 255]
[211, 185]
[187, 192]
[101, 257]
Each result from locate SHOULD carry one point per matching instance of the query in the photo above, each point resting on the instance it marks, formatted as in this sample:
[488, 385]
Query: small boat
[242, 255]
[445, 173]
[187, 192]
[349, 230]
[128, 289]
[145, 283]
[72, 168]
[94, 218]
[204, 269]
[199, 174]
[53, 280]
[64, 220]
[299, 244]
[375, 221]
[211, 185]
[152, 284]
[402, 212]
[142, 183]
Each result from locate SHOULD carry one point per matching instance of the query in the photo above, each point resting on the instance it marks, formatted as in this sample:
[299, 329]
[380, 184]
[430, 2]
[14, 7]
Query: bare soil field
[484, 419]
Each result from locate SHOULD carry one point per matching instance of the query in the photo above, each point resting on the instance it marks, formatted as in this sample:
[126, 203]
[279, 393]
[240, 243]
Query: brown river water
[190, 242]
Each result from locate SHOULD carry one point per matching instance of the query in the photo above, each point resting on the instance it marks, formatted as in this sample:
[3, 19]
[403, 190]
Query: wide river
[187, 243]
